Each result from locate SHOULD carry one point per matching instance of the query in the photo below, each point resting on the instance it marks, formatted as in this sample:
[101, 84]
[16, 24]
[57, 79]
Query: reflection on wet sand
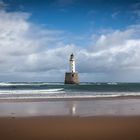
[84, 108]
[72, 108]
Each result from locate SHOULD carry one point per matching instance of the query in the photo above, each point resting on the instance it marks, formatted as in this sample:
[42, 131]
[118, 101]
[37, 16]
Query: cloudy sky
[37, 37]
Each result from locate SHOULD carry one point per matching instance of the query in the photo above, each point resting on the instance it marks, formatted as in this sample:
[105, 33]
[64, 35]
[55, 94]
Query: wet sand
[81, 108]
[116, 119]
[70, 128]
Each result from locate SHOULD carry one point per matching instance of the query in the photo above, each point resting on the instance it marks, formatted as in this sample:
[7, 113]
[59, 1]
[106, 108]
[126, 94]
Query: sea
[37, 90]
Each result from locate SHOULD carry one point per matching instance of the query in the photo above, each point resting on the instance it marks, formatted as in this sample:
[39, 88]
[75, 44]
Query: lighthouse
[71, 77]
[72, 63]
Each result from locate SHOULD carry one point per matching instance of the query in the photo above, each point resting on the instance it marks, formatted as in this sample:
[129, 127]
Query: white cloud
[118, 57]
[49, 59]
[114, 55]
[29, 52]
[24, 46]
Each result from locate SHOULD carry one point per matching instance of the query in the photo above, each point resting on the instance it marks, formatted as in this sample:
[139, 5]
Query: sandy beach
[71, 128]
[70, 119]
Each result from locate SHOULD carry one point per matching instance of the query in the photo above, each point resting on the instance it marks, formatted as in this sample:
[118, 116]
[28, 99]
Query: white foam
[28, 84]
[112, 83]
[42, 91]
[21, 84]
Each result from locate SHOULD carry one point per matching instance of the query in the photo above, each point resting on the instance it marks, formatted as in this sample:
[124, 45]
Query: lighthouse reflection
[72, 108]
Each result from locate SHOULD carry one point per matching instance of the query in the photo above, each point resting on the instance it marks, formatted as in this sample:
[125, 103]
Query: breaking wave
[59, 90]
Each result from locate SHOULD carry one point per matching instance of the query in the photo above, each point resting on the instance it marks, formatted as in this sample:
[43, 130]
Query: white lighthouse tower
[72, 76]
[72, 63]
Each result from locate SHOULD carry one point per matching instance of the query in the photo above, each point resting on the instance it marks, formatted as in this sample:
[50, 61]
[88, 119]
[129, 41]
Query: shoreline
[70, 107]
[67, 98]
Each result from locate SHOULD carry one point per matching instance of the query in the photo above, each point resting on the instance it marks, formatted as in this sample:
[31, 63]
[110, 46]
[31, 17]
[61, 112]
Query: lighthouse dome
[72, 56]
